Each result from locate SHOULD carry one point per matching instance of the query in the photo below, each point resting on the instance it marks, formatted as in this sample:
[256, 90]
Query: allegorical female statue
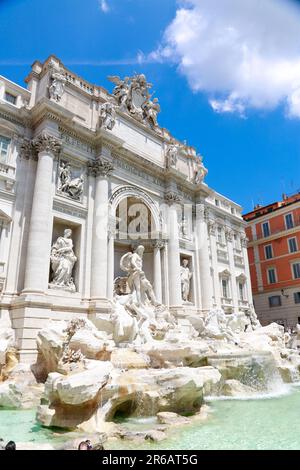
[62, 262]
[185, 276]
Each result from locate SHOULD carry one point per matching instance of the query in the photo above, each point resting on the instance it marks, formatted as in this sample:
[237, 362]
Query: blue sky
[240, 109]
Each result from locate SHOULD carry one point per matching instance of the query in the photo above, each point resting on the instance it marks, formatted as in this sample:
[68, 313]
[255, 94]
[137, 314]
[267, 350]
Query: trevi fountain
[126, 311]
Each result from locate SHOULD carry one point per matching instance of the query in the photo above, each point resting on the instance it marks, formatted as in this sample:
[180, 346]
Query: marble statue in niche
[62, 259]
[68, 184]
[132, 263]
[107, 116]
[184, 228]
[185, 276]
[57, 86]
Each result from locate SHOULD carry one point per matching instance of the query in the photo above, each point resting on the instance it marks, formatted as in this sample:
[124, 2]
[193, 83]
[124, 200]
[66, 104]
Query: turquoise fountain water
[269, 423]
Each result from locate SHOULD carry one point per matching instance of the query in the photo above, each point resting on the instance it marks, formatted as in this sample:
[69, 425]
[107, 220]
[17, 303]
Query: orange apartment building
[274, 257]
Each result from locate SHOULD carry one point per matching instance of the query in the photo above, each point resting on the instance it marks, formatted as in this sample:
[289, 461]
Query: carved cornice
[47, 143]
[171, 197]
[202, 212]
[100, 168]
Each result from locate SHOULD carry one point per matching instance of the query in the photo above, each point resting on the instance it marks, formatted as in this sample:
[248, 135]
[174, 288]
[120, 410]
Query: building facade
[85, 176]
[274, 257]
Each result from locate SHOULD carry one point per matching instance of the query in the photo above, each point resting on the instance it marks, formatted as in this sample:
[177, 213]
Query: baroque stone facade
[86, 176]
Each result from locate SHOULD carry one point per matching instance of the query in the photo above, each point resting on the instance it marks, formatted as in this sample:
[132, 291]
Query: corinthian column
[100, 169]
[172, 200]
[203, 257]
[40, 229]
[157, 281]
[234, 291]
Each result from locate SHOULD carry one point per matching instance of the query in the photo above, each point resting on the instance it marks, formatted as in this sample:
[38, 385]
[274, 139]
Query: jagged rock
[234, 388]
[74, 400]
[264, 338]
[71, 400]
[7, 338]
[50, 343]
[165, 354]
[11, 362]
[254, 369]
[128, 359]
[171, 419]
[289, 373]
[19, 395]
[155, 436]
[93, 344]
[80, 388]
[147, 392]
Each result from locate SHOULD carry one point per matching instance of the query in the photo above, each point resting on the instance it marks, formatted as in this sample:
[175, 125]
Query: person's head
[140, 250]
[67, 233]
[11, 445]
[85, 445]
[89, 444]
[185, 263]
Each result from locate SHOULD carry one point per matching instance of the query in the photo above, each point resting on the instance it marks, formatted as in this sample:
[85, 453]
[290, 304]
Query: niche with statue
[64, 256]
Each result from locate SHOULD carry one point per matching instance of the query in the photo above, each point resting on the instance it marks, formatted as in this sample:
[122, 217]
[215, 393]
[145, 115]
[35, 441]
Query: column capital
[202, 211]
[27, 150]
[228, 234]
[47, 143]
[211, 224]
[100, 167]
[171, 197]
[158, 244]
[244, 240]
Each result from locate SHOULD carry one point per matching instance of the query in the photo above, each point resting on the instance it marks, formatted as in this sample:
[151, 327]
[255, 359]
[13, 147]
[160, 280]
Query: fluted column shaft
[157, 280]
[203, 258]
[173, 252]
[101, 170]
[40, 229]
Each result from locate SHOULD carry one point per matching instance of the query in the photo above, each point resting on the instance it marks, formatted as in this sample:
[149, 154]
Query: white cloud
[104, 6]
[243, 54]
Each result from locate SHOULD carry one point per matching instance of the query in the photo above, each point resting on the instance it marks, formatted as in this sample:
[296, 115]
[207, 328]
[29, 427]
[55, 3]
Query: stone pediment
[4, 217]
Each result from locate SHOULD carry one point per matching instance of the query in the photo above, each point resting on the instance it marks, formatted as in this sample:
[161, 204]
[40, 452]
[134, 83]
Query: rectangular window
[225, 288]
[268, 251]
[4, 146]
[275, 301]
[272, 276]
[241, 290]
[296, 270]
[10, 98]
[266, 229]
[292, 245]
[233, 211]
[217, 202]
[297, 297]
[289, 223]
